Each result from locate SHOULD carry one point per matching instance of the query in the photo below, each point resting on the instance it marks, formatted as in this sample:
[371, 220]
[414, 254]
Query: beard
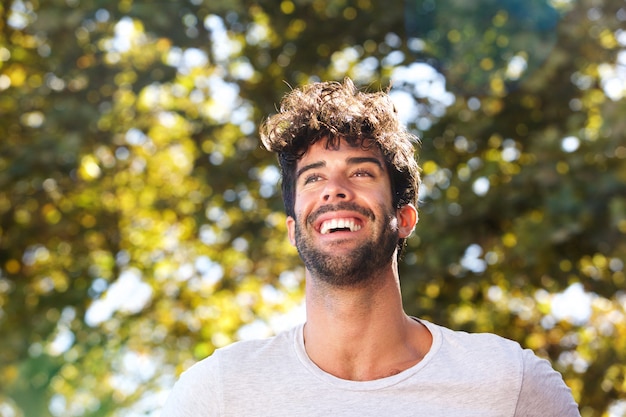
[362, 264]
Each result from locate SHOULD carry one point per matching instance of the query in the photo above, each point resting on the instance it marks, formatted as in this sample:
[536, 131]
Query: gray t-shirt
[462, 375]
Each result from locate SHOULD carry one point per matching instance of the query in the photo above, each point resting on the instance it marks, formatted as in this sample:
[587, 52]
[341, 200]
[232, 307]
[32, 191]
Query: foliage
[141, 224]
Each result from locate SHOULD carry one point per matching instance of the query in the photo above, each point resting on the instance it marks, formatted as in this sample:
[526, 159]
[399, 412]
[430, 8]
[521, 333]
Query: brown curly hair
[335, 111]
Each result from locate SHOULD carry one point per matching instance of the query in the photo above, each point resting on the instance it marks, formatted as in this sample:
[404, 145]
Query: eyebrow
[351, 161]
[308, 167]
[365, 160]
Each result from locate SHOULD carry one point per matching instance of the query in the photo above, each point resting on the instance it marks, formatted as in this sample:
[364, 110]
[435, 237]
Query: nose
[337, 189]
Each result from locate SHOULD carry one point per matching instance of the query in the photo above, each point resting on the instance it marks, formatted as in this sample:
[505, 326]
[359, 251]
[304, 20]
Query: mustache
[348, 206]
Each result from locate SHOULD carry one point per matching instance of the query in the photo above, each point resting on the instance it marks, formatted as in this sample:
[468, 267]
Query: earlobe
[291, 230]
[407, 219]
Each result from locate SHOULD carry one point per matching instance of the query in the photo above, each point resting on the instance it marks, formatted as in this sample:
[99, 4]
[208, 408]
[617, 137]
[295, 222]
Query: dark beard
[362, 265]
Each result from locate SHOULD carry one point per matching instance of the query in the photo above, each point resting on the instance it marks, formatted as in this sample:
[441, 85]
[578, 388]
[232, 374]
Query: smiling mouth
[339, 225]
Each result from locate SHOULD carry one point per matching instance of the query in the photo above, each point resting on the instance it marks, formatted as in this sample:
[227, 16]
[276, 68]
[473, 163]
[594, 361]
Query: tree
[141, 225]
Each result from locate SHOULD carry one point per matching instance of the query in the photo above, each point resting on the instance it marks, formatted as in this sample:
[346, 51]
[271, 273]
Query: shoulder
[480, 358]
[540, 390]
[242, 355]
[543, 390]
[477, 345]
[488, 350]
[200, 389]
[249, 352]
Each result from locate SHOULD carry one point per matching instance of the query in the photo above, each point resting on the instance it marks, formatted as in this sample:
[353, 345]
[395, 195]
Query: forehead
[341, 149]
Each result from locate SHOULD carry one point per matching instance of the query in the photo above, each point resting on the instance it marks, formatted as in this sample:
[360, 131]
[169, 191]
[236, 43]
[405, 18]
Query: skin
[356, 327]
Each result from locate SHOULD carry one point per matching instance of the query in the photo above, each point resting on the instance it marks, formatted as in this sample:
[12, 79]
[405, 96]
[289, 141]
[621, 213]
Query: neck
[362, 333]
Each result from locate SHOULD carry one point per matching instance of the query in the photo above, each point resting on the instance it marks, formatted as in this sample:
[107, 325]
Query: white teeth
[333, 224]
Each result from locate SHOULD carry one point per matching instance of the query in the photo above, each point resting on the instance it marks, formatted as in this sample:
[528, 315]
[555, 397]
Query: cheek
[301, 205]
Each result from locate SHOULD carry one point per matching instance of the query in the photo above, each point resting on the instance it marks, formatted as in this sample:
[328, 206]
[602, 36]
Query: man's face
[345, 227]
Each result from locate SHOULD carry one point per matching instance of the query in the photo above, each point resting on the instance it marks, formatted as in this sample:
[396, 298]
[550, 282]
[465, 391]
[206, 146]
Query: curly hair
[337, 111]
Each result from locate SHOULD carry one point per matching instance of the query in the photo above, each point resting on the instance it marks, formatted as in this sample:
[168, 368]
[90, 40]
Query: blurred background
[141, 225]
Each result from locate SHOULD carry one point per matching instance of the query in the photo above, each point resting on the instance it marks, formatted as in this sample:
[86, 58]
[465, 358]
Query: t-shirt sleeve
[543, 392]
[196, 393]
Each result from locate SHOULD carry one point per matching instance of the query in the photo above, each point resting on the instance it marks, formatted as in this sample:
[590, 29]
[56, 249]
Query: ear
[407, 219]
[291, 230]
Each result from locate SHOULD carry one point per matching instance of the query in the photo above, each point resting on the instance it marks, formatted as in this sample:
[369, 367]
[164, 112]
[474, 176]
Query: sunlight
[128, 294]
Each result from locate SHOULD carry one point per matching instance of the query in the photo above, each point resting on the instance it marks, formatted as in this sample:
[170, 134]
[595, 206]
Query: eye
[363, 173]
[311, 178]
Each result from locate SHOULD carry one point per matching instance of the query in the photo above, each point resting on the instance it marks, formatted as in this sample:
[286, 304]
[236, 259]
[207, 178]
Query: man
[350, 184]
